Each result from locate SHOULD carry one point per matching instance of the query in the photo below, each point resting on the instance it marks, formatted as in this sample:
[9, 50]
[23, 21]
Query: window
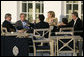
[32, 9]
[73, 6]
[82, 10]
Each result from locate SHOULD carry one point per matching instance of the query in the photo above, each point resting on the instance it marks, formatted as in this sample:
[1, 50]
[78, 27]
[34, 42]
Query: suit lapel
[21, 23]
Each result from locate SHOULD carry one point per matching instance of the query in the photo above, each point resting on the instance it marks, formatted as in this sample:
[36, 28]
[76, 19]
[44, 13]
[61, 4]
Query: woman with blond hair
[52, 21]
[51, 18]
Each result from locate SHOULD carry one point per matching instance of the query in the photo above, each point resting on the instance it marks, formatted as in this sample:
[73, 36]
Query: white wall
[53, 6]
[9, 7]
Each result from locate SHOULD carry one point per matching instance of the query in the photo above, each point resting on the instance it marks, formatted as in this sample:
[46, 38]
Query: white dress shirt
[75, 21]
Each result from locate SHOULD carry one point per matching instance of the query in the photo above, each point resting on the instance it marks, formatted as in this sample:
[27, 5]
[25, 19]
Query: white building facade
[33, 8]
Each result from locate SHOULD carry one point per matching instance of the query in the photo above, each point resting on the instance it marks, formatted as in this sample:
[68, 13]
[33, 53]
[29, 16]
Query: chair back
[65, 42]
[42, 33]
[67, 29]
[3, 30]
[64, 33]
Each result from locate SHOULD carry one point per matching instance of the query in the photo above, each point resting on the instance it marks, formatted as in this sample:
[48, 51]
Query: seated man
[22, 24]
[41, 24]
[7, 23]
[63, 23]
[76, 22]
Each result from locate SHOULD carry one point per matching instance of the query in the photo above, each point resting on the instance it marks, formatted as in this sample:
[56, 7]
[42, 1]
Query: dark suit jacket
[78, 25]
[41, 25]
[19, 24]
[9, 26]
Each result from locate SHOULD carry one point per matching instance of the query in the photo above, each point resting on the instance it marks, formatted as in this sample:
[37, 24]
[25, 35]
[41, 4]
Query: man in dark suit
[22, 23]
[7, 23]
[77, 23]
[41, 24]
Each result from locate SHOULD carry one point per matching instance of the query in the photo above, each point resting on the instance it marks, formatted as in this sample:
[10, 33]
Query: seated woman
[51, 18]
[52, 21]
